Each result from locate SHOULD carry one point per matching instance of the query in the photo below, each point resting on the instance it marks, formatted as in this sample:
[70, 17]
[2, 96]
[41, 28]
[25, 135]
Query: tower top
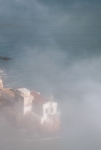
[1, 83]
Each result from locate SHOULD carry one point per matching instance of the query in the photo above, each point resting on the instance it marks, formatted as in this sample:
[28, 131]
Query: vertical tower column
[1, 83]
[23, 100]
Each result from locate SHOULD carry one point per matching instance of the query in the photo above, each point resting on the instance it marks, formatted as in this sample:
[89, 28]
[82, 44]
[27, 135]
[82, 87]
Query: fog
[55, 48]
[81, 110]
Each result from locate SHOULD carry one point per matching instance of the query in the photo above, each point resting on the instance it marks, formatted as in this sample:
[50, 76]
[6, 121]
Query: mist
[55, 48]
[81, 108]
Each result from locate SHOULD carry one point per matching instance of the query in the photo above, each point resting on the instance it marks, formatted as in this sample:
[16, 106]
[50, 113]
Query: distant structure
[23, 101]
[1, 84]
[44, 107]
